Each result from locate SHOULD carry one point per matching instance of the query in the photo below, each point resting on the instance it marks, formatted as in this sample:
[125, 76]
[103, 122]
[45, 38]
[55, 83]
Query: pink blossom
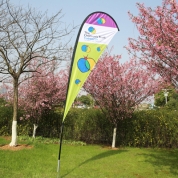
[118, 88]
[157, 42]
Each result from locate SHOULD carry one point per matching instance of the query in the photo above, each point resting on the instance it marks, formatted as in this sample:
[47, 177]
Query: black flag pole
[60, 148]
[62, 126]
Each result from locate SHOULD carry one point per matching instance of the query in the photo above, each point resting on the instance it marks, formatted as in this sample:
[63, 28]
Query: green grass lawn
[90, 161]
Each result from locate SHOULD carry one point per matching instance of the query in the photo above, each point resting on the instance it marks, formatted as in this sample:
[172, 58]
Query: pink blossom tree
[157, 43]
[119, 88]
[41, 93]
[43, 90]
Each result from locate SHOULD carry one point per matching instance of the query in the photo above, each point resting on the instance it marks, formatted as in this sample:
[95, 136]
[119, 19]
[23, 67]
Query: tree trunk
[15, 110]
[114, 137]
[34, 130]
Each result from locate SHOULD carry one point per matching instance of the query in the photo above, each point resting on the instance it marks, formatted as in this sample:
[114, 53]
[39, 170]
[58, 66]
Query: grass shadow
[97, 157]
[163, 159]
[103, 155]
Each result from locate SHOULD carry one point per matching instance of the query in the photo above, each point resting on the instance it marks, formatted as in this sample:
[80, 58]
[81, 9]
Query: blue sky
[75, 11]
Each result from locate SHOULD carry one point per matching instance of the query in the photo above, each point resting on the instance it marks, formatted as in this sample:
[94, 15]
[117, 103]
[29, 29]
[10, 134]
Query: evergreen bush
[148, 128]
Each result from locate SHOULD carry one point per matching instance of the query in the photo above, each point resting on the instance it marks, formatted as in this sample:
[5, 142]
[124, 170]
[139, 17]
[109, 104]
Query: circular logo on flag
[92, 30]
[98, 49]
[86, 48]
[85, 64]
[77, 81]
[101, 21]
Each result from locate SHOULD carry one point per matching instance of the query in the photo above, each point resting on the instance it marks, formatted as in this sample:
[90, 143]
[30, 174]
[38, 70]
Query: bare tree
[27, 35]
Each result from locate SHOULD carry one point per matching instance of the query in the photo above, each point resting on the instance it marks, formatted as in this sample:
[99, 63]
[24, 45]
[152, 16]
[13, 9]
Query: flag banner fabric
[94, 35]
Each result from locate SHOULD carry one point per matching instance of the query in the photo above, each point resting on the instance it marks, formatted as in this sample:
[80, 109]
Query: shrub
[6, 113]
[88, 125]
[148, 128]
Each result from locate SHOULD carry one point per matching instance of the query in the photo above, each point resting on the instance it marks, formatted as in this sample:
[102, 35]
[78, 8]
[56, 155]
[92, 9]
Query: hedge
[149, 128]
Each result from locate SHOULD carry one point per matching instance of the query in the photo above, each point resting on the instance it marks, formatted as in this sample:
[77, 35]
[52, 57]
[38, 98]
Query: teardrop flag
[94, 35]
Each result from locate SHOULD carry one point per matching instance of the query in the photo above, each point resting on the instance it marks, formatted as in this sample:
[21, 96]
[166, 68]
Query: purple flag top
[101, 19]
